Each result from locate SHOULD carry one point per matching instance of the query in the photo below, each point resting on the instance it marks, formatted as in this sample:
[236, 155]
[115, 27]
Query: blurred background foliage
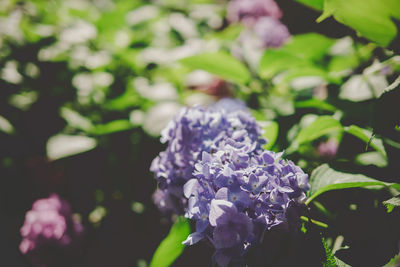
[87, 86]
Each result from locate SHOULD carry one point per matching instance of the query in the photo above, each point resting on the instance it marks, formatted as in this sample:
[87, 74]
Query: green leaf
[221, 64]
[61, 145]
[372, 158]
[392, 203]
[371, 18]
[316, 4]
[125, 101]
[330, 259]
[76, 120]
[324, 179]
[111, 127]
[315, 103]
[304, 51]
[275, 61]
[321, 126]
[171, 247]
[312, 46]
[270, 129]
[367, 137]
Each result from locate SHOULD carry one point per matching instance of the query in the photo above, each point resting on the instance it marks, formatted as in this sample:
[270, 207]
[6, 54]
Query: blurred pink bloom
[328, 149]
[48, 224]
[271, 32]
[249, 11]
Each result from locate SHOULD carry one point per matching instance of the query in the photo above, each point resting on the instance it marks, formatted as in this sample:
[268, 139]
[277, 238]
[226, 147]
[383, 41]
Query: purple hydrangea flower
[192, 132]
[271, 32]
[244, 196]
[48, 224]
[232, 188]
[249, 11]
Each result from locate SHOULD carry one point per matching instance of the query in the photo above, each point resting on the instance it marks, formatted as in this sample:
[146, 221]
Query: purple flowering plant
[217, 173]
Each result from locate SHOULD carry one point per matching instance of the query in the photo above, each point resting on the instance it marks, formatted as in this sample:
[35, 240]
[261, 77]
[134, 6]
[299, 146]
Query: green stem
[318, 223]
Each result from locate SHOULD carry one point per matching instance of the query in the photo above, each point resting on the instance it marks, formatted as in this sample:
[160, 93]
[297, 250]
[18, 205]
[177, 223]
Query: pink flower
[249, 11]
[48, 224]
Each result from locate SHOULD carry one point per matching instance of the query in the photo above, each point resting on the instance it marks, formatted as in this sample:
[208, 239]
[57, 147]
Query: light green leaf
[324, 179]
[392, 203]
[303, 51]
[315, 103]
[127, 100]
[311, 46]
[75, 120]
[61, 145]
[372, 158]
[270, 129]
[6, 126]
[111, 127]
[221, 64]
[366, 136]
[171, 247]
[321, 126]
[275, 61]
[371, 18]
[316, 4]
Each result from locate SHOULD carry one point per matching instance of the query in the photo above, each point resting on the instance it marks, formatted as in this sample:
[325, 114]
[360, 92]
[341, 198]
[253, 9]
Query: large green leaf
[171, 247]
[221, 64]
[371, 18]
[325, 179]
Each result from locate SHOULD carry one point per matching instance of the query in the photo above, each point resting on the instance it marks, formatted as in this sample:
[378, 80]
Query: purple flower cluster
[48, 224]
[262, 17]
[193, 131]
[234, 190]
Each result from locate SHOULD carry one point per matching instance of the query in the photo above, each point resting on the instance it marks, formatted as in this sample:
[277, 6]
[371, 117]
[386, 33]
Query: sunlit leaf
[324, 179]
[363, 87]
[370, 18]
[392, 203]
[372, 158]
[6, 126]
[171, 247]
[316, 4]
[76, 120]
[220, 64]
[127, 100]
[60, 146]
[315, 103]
[270, 133]
[111, 127]
[321, 126]
[312, 46]
[303, 51]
